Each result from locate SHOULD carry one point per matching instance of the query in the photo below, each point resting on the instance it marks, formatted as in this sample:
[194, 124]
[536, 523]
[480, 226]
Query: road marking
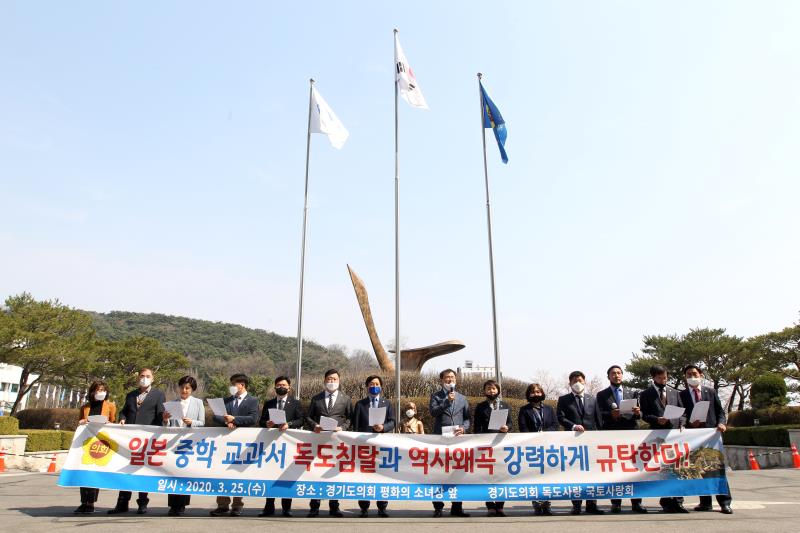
[750, 505]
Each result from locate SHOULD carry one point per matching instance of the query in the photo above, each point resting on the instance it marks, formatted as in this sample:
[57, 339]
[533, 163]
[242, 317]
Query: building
[470, 369]
[9, 387]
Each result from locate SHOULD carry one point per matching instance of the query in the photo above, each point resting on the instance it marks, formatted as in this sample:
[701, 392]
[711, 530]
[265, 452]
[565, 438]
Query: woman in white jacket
[193, 415]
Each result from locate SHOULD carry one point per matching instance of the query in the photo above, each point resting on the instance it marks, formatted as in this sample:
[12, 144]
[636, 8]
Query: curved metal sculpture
[411, 359]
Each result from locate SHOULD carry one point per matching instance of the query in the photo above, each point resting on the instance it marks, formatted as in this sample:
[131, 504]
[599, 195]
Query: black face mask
[281, 391]
[492, 397]
[536, 398]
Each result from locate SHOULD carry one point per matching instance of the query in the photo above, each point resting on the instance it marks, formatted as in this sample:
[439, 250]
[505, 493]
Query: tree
[48, 340]
[768, 390]
[781, 351]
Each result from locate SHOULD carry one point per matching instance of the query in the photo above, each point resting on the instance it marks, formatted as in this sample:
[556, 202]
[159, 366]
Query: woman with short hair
[97, 404]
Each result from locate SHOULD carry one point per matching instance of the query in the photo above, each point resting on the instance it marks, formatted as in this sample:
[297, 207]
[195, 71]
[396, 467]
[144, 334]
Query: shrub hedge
[66, 439]
[47, 418]
[9, 425]
[777, 436]
[766, 417]
[42, 439]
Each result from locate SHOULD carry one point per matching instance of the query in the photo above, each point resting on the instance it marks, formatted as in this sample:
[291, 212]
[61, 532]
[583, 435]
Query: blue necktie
[618, 396]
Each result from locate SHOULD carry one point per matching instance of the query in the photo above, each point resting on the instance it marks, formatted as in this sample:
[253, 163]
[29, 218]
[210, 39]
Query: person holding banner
[242, 411]
[412, 424]
[654, 401]
[533, 418]
[451, 417]
[192, 414]
[292, 418]
[485, 422]
[333, 407]
[373, 414]
[578, 412]
[143, 406]
[715, 417]
[98, 407]
[615, 415]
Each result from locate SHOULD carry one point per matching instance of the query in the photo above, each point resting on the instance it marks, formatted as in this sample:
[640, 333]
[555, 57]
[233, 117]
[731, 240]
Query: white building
[9, 387]
[471, 369]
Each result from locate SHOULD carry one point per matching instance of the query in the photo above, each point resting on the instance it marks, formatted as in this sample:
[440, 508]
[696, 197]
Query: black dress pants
[124, 498]
[89, 495]
[364, 504]
[286, 504]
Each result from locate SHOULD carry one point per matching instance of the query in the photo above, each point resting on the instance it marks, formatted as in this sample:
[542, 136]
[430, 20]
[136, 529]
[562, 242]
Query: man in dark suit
[361, 423]
[242, 412]
[716, 417]
[335, 404]
[608, 402]
[577, 411]
[143, 406]
[295, 417]
[449, 408]
[652, 402]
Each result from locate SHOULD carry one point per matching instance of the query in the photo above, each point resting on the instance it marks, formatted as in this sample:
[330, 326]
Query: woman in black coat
[535, 417]
[483, 412]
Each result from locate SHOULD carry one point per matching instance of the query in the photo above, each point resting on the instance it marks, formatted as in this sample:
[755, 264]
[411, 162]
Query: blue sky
[152, 159]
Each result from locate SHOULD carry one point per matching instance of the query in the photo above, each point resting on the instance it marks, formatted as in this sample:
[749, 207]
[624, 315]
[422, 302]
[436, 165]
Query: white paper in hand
[498, 419]
[277, 416]
[673, 412]
[175, 410]
[217, 406]
[449, 431]
[377, 416]
[97, 419]
[627, 406]
[328, 424]
[700, 411]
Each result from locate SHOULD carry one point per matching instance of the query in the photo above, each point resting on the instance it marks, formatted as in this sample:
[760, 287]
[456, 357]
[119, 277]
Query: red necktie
[696, 395]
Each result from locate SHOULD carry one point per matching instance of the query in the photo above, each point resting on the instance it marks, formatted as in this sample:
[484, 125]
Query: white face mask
[234, 390]
[578, 387]
[332, 386]
[694, 382]
[410, 413]
[145, 382]
[99, 396]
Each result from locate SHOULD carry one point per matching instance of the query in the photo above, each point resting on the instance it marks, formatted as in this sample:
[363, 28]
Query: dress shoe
[335, 513]
[702, 508]
[266, 512]
[382, 513]
[616, 508]
[219, 511]
[437, 513]
[491, 512]
[639, 508]
[363, 514]
[726, 509]
[547, 512]
[89, 509]
[286, 514]
[500, 513]
[679, 508]
[119, 509]
[142, 509]
[575, 510]
[236, 512]
[538, 511]
[313, 513]
[173, 511]
[459, 514]
[80, 510]
[592, 509]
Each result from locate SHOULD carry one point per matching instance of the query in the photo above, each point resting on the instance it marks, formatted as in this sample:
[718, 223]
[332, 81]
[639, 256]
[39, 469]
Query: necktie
[330, 402]
[618, 396]
[375, 402]
[662, 394]
[580, 404]
[696, 395]
[280, 404]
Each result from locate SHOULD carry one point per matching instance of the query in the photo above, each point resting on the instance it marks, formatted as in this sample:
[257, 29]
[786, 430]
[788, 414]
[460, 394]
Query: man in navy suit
[361, 423]
[608, 402]
[716, 417]
[577, 411]
[295, 417]
[242, 412]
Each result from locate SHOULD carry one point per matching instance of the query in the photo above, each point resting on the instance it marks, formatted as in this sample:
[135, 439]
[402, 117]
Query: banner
[256, 462]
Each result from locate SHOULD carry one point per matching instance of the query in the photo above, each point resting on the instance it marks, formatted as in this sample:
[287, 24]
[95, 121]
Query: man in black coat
[652, 402]
[716, 417]
[335, 404]
[360, 423]
[295, 417]
[242, 411]
[143, 406]
[608, 402]
[577, 411]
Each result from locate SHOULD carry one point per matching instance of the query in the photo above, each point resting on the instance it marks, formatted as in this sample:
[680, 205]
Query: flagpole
[303, 249]
[397, 349]
[497, 374]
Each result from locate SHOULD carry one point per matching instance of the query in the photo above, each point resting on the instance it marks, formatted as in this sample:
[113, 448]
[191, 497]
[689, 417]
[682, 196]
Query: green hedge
[66, 439]
[9, 425]
[777, 436]
[766, 417]
[40, 440]
[47, 418]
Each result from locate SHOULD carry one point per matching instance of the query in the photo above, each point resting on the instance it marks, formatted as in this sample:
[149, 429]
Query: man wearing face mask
[242, 412]
[144, 406]
[360, 423]
[449, 408]
[335, 404]
[716, 417]
[608, 402]
[295, 417]
[653, 400]
[577, 411]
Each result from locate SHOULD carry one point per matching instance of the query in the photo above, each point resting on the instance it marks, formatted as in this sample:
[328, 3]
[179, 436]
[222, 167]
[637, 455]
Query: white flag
[405, 79]
[324, 120]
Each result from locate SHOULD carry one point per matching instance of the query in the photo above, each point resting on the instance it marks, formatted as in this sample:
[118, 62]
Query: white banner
[347, 465]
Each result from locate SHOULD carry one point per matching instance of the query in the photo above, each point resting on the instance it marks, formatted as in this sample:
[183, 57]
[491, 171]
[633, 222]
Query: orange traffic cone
[51, 468]
[3, 460]
[753, 461]
[795, 457]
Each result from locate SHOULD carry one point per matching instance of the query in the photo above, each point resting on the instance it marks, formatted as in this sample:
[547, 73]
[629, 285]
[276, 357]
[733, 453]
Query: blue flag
[493, 119]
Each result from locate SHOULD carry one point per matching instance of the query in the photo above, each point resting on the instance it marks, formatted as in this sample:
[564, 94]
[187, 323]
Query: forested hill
[215, 348]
